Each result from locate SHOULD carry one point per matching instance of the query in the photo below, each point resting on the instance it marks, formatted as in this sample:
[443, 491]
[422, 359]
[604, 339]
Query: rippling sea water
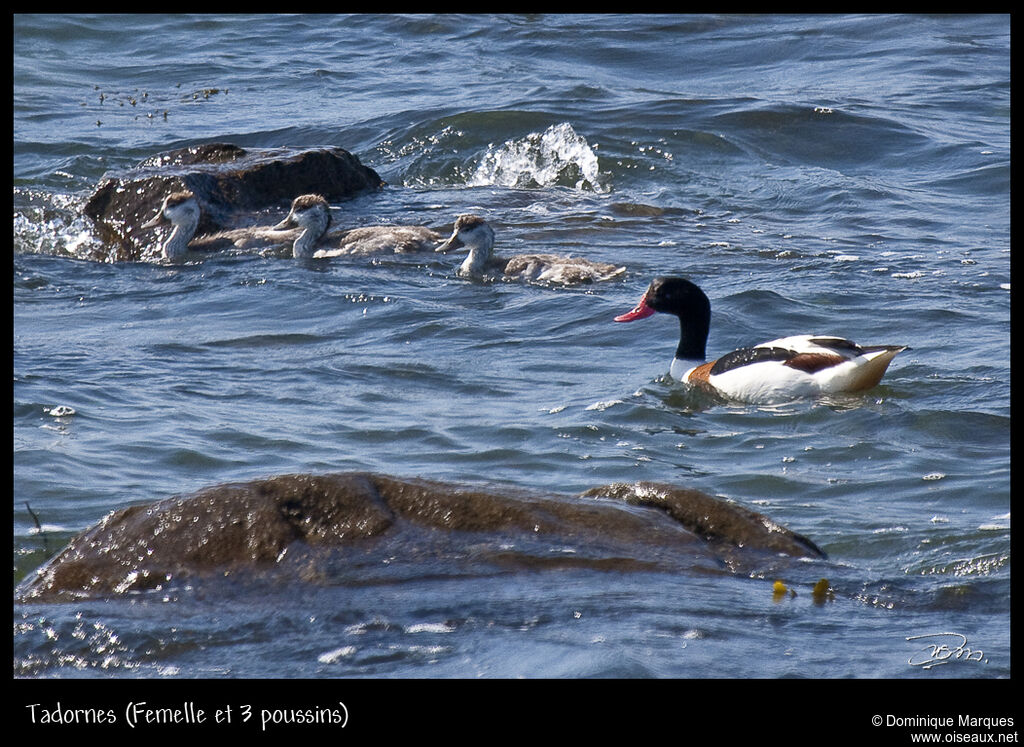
[839, 174]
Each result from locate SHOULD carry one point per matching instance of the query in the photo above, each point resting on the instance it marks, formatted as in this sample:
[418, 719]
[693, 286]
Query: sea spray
[557, 156]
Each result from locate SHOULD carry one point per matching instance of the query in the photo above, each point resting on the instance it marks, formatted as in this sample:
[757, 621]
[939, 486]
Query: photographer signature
[943, 647]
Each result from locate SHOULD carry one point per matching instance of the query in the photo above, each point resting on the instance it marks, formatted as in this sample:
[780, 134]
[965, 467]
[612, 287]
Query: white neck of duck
[480, 242]
[682, 366]
[184, 229]
[314, 226]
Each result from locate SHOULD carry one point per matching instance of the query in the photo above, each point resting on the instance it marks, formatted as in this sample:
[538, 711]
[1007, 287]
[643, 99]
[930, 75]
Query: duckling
[473, 233]
[312, 215]
[182, 210]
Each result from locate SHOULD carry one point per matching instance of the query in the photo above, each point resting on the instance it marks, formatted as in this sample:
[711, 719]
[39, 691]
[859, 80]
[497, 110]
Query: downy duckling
[182, 210]
[474, 234]
[312, 215]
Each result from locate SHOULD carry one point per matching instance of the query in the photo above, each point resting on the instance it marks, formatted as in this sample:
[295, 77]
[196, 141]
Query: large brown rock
[330, 527]
[232, 184]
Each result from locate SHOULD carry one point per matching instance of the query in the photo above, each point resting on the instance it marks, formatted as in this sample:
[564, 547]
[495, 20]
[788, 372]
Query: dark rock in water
[725, 526]
[354, 527]
[231, 184]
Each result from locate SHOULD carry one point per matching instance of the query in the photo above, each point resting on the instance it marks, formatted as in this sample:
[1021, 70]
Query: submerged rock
[232, 184]
[361, 528]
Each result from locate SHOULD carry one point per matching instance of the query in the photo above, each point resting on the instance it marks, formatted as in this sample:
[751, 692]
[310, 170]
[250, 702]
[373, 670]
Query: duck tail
[877, 359]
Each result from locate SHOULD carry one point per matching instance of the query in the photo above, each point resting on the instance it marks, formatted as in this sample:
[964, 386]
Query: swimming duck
[472, 232]
[779, 370]
[182, 210]
[312, 215]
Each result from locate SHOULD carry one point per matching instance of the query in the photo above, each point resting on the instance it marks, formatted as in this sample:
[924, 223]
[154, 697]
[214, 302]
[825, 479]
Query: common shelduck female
[472, 232]
[312, 214]
[779, 370]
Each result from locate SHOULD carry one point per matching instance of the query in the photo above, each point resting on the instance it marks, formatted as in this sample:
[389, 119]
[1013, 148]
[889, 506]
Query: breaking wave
[559, 156]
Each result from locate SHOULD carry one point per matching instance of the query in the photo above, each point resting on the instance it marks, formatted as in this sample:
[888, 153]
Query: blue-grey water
[829, 174]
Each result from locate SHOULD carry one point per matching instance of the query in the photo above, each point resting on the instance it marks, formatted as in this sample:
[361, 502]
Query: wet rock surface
[231, 183]
[725, 526]
[368, 528]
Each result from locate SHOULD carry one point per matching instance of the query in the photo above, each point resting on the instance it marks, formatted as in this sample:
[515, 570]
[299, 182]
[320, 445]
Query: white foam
[541, 159]
[430, 628]
[330, 657]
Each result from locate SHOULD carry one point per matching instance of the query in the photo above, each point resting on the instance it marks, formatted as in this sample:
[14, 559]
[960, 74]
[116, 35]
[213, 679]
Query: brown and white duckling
[472, 233]
[312, 215]
[182, 210]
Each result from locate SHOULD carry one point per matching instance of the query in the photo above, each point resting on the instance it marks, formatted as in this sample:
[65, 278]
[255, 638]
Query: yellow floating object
[822, 591]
